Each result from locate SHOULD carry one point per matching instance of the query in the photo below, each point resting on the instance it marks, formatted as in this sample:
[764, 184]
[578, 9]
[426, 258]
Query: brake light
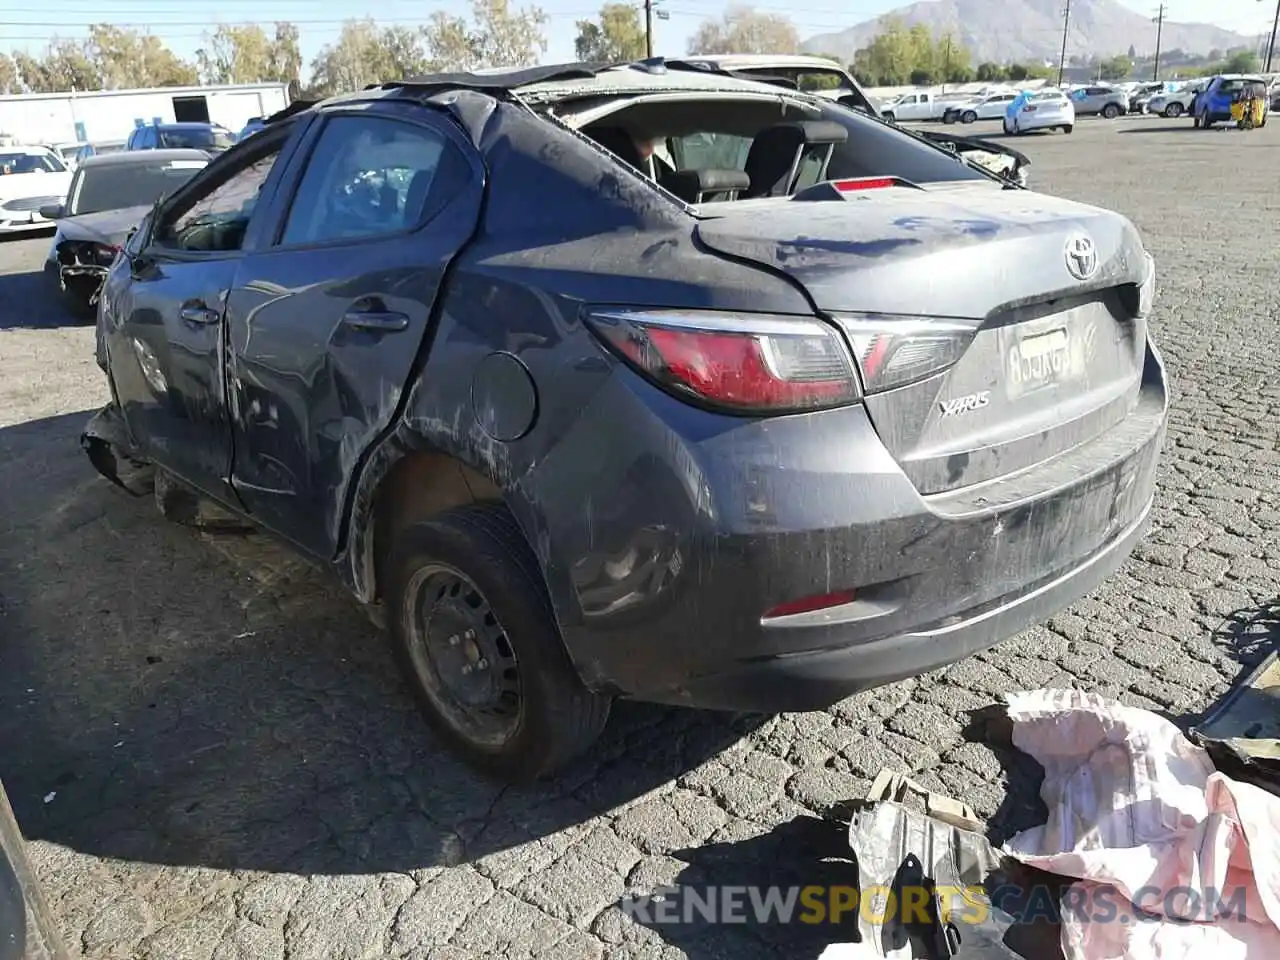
[741, 363]
[893, 351]
[864, 183]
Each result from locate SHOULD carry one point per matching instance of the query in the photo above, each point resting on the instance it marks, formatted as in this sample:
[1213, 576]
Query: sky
[30, 24]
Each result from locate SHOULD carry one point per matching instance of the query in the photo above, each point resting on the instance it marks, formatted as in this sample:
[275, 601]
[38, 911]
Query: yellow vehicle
[1249, 105]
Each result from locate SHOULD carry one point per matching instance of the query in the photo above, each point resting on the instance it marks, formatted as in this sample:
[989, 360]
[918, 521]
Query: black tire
[489, 574]
[1068, 128]
[1173, 111]
[968, 117]
[890, 116]
[1111, 111]
[1195, 121]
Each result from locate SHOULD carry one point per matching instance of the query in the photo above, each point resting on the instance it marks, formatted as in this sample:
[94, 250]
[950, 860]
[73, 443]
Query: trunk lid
[1047, 361]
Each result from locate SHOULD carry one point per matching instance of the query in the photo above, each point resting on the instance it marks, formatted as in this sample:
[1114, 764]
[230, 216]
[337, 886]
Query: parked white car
[30, 178]
[1040, 110]
[1176, 102]
[989, 107]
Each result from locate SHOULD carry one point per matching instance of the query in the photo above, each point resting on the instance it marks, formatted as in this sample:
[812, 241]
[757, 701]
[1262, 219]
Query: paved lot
[215, 759]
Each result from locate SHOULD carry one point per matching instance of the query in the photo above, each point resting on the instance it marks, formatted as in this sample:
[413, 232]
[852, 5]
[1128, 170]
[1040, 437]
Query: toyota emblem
[1082, 257]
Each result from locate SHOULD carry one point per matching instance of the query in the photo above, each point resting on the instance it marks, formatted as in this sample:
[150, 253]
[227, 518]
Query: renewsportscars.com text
[817, 904]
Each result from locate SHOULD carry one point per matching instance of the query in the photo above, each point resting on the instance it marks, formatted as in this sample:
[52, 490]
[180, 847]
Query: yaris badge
[1082, 257]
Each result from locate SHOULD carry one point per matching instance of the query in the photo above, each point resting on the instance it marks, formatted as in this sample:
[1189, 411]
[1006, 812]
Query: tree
[126, 58]
[497, 37]
[64, 67]
[365, 53]
[10, 82]
[1244, 61]
[991, 73]
[110, 58]
[1133, 53]
[742, 29]
[246, 54]
[1115, 68]
[899, 55]
[618, 37]
[889, 59]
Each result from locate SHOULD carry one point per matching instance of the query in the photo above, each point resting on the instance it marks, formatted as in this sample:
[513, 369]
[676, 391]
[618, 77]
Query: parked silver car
[1110, 102]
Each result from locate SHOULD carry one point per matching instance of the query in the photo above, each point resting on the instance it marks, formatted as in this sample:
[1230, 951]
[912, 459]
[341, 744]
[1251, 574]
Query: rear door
[164, 329]
[326, 323]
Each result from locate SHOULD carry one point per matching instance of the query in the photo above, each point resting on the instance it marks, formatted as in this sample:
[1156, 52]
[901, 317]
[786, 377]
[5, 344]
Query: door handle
[376, 321]
[198, 313]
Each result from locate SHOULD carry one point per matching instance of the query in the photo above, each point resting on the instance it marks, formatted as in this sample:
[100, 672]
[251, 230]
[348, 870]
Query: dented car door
[326, 322]
[162, 321]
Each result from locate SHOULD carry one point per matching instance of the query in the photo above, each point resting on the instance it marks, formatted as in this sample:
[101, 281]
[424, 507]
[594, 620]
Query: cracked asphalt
[214, 759]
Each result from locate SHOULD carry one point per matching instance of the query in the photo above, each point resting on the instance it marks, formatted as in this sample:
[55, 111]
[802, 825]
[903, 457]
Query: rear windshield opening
[691, 146]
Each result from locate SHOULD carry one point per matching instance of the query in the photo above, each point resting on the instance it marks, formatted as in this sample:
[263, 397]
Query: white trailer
[104, 115]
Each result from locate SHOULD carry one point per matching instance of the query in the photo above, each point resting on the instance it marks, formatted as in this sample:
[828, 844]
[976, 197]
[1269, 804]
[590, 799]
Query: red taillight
[810, 604]
[864, 183]
[893, 351]
[743, 363]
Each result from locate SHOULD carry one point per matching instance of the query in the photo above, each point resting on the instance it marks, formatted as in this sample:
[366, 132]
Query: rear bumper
[664, 559]
[808, 681]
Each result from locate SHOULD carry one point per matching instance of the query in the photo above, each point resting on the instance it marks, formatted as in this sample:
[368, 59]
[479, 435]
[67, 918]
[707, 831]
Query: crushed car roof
[556, 80]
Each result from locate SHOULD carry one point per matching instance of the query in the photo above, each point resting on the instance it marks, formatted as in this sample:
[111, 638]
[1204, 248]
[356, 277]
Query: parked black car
[109, 195]
[639, 381]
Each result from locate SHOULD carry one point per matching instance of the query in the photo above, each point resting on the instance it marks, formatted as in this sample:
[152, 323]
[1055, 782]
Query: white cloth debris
[1139, 814]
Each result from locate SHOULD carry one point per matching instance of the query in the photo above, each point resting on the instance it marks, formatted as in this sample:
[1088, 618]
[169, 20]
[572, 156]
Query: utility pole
[1159, 18]
[1271, 47]
[648, 28]
[1066, 25]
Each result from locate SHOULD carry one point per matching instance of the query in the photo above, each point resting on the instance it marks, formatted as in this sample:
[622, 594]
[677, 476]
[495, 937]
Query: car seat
[620, 143]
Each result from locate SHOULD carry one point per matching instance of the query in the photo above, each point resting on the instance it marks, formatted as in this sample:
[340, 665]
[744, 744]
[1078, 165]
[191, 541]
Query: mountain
[1025, 30]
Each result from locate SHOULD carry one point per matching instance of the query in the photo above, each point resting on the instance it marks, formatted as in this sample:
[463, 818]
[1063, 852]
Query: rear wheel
[474, 634]
[1173, 111]
[1111, 111]
[968, 117]
[1067, 128]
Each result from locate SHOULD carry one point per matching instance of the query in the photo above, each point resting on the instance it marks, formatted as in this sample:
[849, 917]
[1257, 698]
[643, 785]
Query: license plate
[1037, 360]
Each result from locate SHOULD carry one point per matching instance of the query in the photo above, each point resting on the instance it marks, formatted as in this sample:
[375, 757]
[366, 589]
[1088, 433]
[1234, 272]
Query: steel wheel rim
[462, 657]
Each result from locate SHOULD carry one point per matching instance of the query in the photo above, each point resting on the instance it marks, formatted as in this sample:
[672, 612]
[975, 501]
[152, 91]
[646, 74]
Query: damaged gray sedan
[640, 381]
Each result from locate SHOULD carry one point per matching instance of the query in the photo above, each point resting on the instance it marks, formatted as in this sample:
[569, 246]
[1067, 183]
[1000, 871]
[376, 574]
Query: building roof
[128, 157]
[140, 91]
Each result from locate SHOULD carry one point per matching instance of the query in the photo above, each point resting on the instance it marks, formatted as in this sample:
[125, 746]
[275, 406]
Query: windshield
[30, 163]
[196, 138]
[116, 186]
[1045, 95]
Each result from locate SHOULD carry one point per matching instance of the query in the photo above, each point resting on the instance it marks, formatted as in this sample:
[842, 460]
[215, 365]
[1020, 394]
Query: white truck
[922, 105]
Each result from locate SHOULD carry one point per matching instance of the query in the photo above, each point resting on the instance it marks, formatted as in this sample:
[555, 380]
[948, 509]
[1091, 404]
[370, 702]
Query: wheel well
[421, 485]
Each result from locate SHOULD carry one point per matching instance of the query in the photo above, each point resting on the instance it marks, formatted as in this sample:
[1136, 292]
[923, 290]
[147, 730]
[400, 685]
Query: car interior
[704, 152]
